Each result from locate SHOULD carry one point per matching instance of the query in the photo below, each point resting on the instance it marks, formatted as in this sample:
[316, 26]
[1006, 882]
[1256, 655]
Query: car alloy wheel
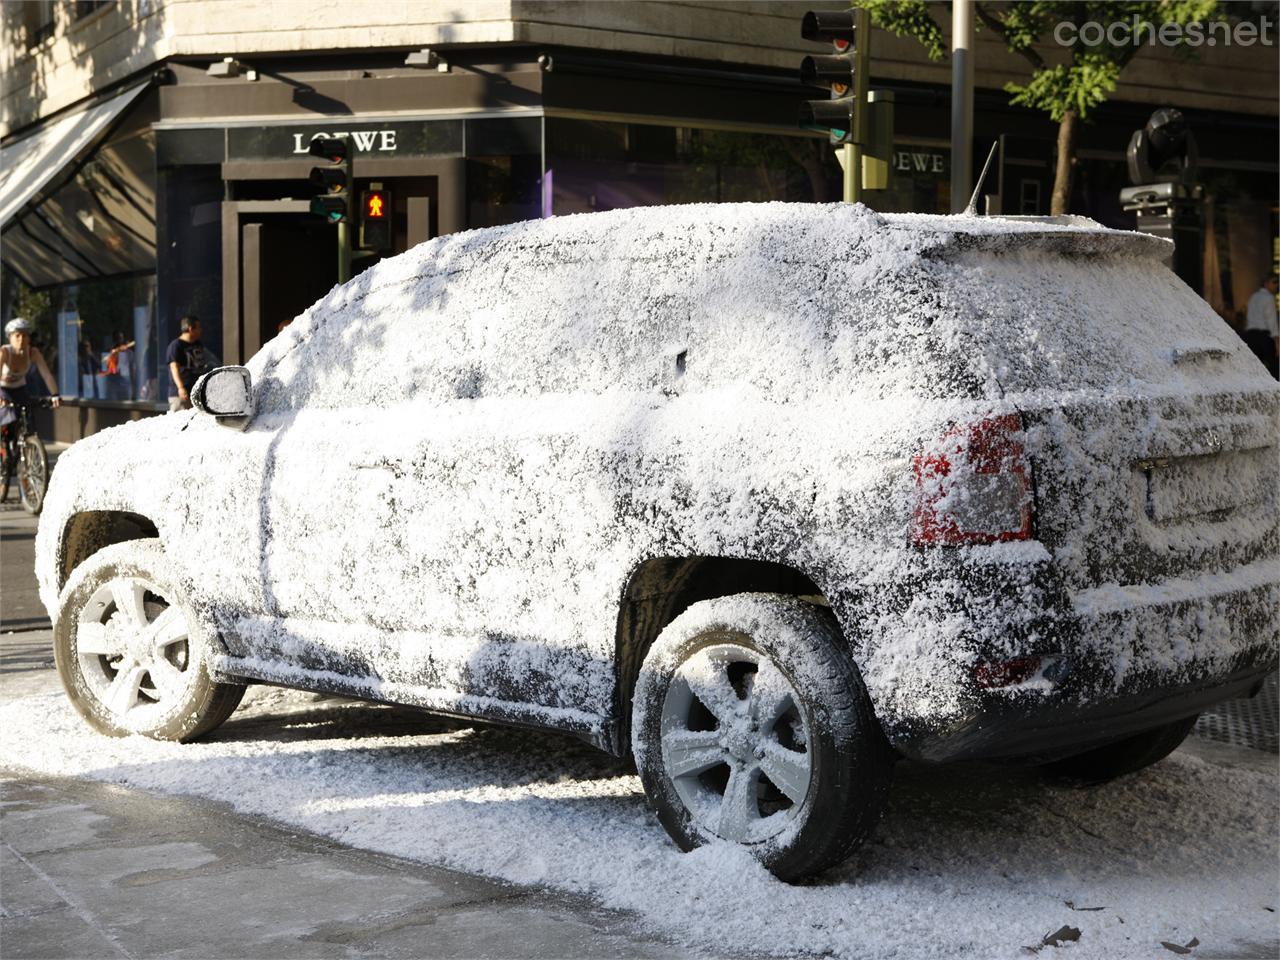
[133, 647]
[130, 652]
[750, 725]
[734, 738]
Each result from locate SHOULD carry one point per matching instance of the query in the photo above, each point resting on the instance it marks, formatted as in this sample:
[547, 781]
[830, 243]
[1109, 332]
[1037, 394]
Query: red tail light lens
[973, 486]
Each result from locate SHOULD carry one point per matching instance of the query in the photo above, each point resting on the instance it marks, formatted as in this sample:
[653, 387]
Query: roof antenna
[972, 209]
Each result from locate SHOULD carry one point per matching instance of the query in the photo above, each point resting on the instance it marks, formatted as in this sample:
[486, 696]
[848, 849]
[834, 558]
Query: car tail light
[973, 486]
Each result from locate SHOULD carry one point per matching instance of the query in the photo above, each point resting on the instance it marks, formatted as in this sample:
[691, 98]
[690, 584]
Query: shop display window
[604, 165]
[108, 345]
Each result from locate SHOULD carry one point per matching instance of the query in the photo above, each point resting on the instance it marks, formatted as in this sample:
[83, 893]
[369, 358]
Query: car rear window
[1037, 320]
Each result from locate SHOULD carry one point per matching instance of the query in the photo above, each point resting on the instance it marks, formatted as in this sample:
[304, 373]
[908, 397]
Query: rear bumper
[1127, 667]
[1049, 729]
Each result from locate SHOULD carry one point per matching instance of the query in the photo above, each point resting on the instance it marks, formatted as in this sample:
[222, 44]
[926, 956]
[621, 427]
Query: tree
[1066, 91]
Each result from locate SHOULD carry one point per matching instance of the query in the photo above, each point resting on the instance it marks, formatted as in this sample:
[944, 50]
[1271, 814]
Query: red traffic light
[833, 25]
[333, 149]
[374, 205]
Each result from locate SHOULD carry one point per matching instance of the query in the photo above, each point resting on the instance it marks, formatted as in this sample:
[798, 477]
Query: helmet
[16, 324]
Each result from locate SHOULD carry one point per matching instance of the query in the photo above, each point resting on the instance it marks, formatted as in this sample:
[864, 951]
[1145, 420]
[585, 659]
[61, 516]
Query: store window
[189, 260]
[504, 170]
[1241, 217]
[108, 344]
[919, 180]
[604, 165]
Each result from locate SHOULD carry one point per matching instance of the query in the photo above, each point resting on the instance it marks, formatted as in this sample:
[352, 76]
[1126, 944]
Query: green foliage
[908, 18]
[38, 307]
[1080, 87]
[1078, 82]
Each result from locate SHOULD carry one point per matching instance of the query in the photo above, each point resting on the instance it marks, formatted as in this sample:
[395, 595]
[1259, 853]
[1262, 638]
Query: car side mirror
[226, 394]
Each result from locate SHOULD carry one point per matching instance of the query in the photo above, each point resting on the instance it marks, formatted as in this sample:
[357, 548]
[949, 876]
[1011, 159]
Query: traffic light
[334, 180]
[375, 219]
[839, 73]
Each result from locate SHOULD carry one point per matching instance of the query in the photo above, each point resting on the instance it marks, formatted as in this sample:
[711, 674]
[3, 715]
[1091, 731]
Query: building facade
[156, 164]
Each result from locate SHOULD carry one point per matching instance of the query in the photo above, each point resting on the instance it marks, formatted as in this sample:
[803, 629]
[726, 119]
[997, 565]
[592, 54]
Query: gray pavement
[91, 870]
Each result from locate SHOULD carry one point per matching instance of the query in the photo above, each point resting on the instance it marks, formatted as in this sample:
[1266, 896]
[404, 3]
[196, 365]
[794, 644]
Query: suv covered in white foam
[767, 494]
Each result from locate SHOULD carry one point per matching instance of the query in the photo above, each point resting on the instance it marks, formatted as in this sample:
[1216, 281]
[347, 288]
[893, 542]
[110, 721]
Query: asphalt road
[21, 608]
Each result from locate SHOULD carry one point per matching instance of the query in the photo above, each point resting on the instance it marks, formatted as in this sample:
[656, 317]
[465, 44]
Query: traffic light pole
[344, 251]
[861, 68]
[344, 227]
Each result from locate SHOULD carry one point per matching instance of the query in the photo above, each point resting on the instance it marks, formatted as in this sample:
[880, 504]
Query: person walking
[119, 368]
[1261, 330]
[187, 362]
[17, 357]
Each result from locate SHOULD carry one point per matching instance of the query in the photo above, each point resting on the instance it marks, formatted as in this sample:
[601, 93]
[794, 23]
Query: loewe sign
[365, 141]
[415, 138]
[919, 161]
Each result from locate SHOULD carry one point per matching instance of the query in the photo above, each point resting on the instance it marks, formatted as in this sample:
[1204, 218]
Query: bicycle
[23, 456]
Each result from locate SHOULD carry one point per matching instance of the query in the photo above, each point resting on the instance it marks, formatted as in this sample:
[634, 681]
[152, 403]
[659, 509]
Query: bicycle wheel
[8, 456]
[33, 473]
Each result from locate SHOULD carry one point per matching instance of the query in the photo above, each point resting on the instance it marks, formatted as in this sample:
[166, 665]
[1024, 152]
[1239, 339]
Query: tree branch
[993, 24]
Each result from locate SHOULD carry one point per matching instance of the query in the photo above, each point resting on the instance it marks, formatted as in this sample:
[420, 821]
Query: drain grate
[1251, 722]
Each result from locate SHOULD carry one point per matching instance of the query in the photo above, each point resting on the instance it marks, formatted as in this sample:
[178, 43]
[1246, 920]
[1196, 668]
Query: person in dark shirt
[187, 362]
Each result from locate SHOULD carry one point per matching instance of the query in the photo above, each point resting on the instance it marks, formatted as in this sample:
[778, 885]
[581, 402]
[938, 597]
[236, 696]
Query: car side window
[372, 348]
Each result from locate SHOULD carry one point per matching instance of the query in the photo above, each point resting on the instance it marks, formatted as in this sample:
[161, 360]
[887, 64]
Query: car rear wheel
[132, 655]
[1123, 756]
[750, 724]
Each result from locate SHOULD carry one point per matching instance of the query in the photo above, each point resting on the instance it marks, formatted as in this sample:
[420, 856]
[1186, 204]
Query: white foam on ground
[972, 860]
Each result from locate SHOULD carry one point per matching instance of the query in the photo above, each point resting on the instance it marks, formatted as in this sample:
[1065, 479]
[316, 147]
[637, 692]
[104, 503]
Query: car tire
[750, 723]
[131, 652]
[1123, 756]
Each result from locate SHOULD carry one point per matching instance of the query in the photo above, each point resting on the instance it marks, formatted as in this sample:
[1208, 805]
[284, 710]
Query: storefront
[188, 193]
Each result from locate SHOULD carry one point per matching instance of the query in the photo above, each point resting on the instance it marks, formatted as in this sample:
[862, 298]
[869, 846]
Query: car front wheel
[131, 653]
[750, 724]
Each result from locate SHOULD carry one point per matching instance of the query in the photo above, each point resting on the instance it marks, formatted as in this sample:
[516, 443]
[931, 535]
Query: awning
[30, 163]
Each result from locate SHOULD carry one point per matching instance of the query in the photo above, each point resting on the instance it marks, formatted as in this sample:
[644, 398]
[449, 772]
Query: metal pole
[344, 251]
[961, 103]
[344, 225]
[861, 82]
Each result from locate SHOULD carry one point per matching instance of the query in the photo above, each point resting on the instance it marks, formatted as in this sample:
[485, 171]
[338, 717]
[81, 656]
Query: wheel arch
[88, 531]
[661, 588]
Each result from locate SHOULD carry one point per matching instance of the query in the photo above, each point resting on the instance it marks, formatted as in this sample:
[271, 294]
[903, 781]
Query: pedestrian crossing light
[375, 219]
[333, 179]
[837, 73]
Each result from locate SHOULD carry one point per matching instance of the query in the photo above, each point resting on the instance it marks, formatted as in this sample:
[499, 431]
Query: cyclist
[16, 358]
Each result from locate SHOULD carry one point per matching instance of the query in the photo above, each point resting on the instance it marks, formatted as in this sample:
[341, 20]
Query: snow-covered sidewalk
[971, 861]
